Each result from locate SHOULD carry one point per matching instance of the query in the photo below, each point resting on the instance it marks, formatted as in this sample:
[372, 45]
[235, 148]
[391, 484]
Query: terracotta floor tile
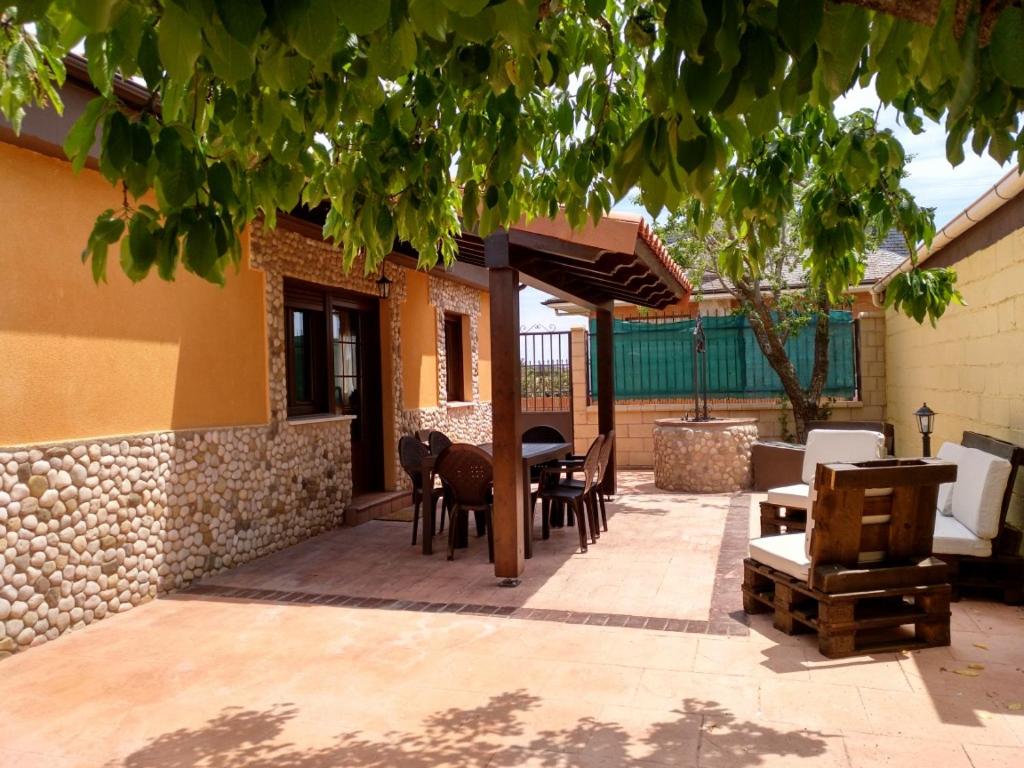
[983, 756]
[268, 682]
[874, 751]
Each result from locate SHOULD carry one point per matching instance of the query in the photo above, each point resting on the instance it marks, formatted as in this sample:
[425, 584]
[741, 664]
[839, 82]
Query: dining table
[533, 454]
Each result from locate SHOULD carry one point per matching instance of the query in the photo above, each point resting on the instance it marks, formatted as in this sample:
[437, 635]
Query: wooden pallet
[777, 519]
[851, 623]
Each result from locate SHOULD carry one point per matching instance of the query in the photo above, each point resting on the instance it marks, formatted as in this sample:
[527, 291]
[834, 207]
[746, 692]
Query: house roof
[891, 252]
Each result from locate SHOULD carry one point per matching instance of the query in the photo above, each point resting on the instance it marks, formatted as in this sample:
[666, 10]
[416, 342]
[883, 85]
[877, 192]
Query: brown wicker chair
[468, 473]
[576, 495]
[411, 453]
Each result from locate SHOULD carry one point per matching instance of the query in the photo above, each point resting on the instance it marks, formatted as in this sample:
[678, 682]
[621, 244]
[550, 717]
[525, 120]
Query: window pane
[345, 345]
[300, 359]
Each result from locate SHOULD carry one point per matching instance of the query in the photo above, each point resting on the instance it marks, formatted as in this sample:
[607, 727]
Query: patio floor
[354, 650]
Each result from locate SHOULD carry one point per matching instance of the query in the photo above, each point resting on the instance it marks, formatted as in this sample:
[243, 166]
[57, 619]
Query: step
[366, 506]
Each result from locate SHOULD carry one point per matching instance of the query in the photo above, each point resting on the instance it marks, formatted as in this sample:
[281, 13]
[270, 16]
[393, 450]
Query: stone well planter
[703, 456]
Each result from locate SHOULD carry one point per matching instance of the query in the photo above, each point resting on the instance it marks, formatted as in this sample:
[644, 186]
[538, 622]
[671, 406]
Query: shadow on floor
[494, 734]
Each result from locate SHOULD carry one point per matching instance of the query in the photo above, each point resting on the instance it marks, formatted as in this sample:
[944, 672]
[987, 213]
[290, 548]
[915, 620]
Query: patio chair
[438, 441]
[972, 534]
[411, 453]
[603, 464]
[776, 463]
[468, 473]
[864, 571]
[785, 509]
[579, 496]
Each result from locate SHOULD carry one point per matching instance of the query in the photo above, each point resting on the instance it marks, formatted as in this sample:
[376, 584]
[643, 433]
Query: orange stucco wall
[419, 344]
[484, 347]
[81, 360]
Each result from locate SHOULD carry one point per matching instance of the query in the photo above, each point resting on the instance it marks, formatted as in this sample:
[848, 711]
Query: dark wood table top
[537, 451]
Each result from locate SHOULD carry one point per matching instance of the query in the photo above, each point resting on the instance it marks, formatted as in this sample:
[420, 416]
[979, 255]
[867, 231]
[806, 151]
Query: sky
[932, 180]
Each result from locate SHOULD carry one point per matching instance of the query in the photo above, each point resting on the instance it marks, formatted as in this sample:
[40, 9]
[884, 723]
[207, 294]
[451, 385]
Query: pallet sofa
[785, 509]
[863, 573]
[972, 534]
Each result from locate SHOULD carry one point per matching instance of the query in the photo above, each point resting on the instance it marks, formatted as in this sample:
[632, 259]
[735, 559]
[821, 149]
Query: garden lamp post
[925, 422]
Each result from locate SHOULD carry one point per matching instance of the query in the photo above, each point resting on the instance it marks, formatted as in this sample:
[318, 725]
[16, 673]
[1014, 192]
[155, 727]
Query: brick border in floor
[722, 627]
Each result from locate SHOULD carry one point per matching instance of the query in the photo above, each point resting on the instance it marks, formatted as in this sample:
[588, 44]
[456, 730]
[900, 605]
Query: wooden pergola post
[506, 391]
[606, 384]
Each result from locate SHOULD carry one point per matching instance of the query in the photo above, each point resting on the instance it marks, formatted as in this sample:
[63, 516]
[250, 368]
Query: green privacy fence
[654, 358]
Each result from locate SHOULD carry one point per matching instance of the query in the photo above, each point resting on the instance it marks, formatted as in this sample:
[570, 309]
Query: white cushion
[954, 538]
[978, 491]
[795, 496]
[783, 553]
[950, 452]
[825, 446]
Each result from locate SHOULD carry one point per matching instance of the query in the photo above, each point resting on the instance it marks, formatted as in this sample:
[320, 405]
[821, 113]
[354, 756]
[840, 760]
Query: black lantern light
[925, 423]
[383, 285]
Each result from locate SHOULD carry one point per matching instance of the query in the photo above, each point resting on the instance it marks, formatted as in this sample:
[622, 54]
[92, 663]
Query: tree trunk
[805, 403]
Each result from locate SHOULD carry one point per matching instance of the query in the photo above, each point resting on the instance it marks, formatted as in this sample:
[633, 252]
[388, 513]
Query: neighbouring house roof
[1008, 188]
[891, 252]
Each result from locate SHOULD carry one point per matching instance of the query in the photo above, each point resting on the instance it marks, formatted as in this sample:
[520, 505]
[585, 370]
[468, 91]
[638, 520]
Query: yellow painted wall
[969, 369]
[484, 347]
[419, 344]
[81, 360]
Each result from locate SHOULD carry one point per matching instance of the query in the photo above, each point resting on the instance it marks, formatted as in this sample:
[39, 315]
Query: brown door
[355, 346]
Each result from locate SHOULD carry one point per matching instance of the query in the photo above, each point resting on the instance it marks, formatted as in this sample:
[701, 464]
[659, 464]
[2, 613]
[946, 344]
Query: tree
[416, 118]
[836, 183]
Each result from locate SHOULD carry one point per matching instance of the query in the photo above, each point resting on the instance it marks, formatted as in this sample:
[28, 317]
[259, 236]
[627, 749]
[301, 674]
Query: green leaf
[230, 59]
[139, 249]
[106, 231]
[32, 10]
[221, 184]
[82, 135]
[429, 17]
[96, 15]
[799, 22]
[362, 18]
[685, 23]
[466, 7]
[200, 256]
[242, 18]
[312, 26]
[117, 144]
[1006, 47]
[180, 40]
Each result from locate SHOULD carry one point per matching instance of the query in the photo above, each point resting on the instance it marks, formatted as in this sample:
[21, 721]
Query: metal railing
[545, 360]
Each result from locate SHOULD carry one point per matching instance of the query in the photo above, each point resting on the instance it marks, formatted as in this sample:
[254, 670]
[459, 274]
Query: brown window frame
[318, 302]
[454, 358]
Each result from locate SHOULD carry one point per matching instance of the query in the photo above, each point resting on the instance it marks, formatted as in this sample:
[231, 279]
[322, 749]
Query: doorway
[334, 368]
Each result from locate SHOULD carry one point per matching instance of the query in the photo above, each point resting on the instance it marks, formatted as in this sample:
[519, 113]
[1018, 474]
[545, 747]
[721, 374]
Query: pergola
[619, 258]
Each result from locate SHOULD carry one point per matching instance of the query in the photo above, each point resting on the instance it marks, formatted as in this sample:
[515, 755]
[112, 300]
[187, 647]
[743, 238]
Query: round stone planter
[703, 456]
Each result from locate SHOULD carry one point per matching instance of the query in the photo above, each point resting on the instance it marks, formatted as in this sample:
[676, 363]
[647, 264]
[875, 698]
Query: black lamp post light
[925, 423]
[383, 285]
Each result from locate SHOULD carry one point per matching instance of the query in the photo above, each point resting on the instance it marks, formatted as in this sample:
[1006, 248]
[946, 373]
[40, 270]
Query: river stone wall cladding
[97, 527]
[709, 457]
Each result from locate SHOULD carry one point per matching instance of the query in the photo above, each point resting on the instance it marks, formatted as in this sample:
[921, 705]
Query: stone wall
[634, 422]
[92, 528]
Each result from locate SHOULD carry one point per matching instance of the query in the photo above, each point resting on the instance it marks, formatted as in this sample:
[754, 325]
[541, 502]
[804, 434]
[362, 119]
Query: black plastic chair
[411, 453]
[603, 464]
[468, 473]
[578, 496]
[438, 441]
